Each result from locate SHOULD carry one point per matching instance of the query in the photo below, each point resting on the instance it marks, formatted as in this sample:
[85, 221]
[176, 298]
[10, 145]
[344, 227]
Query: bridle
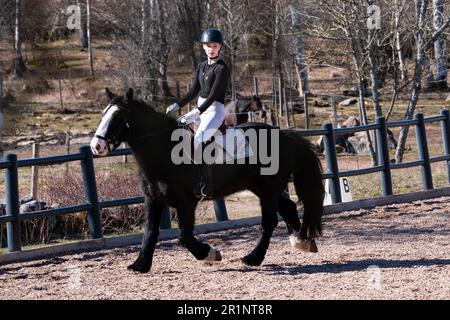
[114, 142]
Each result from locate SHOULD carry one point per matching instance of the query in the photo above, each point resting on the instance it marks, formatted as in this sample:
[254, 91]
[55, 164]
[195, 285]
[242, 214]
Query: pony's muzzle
[99, 147]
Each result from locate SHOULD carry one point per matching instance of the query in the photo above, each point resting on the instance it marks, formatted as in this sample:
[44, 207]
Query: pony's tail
[309, 186]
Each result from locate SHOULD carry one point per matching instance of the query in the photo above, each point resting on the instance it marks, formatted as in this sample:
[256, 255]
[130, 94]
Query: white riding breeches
[208, 122]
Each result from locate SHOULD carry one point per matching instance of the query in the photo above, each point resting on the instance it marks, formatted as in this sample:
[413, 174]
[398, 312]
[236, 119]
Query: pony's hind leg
[269, 222]
[288, 211]
[186, 220]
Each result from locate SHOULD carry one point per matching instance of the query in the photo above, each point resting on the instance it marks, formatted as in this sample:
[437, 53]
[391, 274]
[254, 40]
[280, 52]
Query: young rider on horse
[211, 82]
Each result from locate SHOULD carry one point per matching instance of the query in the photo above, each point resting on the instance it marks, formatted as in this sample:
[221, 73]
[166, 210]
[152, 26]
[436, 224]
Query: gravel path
[392, 252]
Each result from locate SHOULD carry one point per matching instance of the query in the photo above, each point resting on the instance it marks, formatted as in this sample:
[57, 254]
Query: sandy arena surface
[392, 252]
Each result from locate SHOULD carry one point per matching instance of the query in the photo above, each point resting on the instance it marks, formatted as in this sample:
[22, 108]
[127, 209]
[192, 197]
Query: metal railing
[92, 206]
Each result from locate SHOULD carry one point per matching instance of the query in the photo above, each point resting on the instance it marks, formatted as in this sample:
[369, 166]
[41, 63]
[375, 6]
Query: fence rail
[93, 206]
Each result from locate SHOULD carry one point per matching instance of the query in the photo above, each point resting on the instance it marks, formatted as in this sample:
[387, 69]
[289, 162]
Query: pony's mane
[160, 116]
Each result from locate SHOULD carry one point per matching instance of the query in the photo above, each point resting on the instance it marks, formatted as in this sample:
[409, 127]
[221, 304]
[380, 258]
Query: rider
[211, 82]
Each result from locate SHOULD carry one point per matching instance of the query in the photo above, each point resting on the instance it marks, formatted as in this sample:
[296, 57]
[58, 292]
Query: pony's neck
[150, 139]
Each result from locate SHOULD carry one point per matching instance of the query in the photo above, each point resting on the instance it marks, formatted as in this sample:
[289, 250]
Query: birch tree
[423, 43]
[439, 46]
[89, 38]
[299, 51]
[19, 65]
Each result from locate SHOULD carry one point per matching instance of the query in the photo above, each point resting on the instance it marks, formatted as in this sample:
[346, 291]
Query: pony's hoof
[305, 245]
[213, 256]
[251, 260]
[139, 267]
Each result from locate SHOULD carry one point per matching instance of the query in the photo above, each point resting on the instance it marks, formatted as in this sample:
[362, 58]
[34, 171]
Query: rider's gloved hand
[172, 107]
[190, 117]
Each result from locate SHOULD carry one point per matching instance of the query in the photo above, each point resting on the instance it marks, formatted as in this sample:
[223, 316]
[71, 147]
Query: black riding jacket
[211, 81]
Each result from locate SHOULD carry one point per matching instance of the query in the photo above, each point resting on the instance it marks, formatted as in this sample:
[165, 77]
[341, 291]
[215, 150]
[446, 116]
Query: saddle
[191, 128]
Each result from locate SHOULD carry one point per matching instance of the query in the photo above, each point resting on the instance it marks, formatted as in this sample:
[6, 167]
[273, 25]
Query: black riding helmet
[212, 35]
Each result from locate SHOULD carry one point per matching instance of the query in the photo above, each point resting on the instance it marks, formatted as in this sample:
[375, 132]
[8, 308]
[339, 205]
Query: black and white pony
[150, 136]
[237, 111]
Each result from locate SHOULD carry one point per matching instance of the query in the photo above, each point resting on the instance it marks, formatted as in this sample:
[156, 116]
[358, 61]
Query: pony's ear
[129, 95]
[109, 94]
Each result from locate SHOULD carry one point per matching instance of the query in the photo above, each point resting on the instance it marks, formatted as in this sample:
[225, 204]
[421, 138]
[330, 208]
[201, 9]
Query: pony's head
[256, 104]
[114, 127]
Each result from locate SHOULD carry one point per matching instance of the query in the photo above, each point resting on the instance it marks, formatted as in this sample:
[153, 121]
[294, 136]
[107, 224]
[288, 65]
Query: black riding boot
[204, 189]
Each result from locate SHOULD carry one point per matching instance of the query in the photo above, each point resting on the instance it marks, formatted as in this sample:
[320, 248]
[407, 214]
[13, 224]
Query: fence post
[383, 157]
[12, 203]
[422, 148]
[332, 163]
[305, 106]
[285, 105]
[165, 219]
[280, 97]
[90, 192]
[255, 86]
[189, 104]
[1, 95]
[1, 115]
[334, 109]
[221, 210]
[35, 172]
[445, 126]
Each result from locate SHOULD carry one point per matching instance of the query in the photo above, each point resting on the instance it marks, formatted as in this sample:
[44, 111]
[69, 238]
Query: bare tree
[439, 47]
[19, 65]
[234, 27]
[188, 28]
[423, 43]
[89, 38]
[299, 51]
[83, 27]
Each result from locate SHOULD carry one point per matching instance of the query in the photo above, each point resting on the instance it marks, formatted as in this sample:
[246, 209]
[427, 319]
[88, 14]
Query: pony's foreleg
[269, 222]
[153, 211]
[200, 250]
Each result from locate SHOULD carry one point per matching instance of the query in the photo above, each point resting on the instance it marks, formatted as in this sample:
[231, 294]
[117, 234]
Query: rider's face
[212, 49]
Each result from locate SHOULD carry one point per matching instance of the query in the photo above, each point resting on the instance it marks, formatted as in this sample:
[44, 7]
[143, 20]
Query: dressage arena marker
[124, 241]
[346, 193]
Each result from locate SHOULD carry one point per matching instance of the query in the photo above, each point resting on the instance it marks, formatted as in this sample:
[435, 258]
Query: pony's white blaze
[99, 146]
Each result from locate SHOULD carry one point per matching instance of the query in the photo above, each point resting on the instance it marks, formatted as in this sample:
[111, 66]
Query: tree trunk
[356, 48]
[143, 23]
[163, 50]
[300, 65]
[439, 46]
[89, 38]
[421, 9]
[19, 65]
[398, 46]
[83, 28]
[374, 78]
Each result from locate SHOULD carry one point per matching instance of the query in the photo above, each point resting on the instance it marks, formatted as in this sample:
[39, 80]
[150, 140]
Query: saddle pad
[234, 146]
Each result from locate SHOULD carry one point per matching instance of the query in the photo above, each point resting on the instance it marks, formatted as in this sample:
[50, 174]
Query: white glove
[190, 117]
[172, 107]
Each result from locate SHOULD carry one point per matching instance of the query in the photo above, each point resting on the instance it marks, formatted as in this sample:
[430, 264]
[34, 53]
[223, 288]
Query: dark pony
[164, 183]
[236, 112]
